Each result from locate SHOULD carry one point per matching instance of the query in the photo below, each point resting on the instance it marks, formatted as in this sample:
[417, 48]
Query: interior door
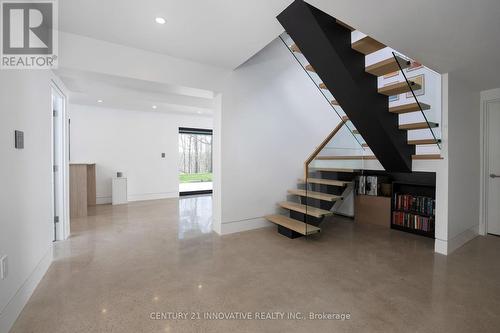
[493, 168]
[57, 163]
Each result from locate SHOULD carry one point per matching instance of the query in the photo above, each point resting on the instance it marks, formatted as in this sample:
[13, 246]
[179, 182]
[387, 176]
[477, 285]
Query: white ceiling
[446, 35]
[224, 33]
[461, 36]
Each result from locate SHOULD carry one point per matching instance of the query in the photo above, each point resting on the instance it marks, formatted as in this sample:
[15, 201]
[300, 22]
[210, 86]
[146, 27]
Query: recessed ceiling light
[99, 101]
[160, 20]
[154, 106]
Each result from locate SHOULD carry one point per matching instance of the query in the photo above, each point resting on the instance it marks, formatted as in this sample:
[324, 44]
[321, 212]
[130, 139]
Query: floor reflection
[199, 186]
[195, 216]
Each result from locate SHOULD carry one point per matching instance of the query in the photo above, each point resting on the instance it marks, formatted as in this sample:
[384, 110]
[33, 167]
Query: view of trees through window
[195, 153]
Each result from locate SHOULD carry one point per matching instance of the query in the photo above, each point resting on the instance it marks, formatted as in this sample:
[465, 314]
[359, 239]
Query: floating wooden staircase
[315, 195]
[305, 209]
[294, 225]
[295, 48]
[387, 66]
[407, 108]
[373, 157]
[338, 69]
[310, 68]
[314, 204]
[398, 88]
[417, 126]
[367, 45]
[333, 170]
[330, 182]
[423, 142]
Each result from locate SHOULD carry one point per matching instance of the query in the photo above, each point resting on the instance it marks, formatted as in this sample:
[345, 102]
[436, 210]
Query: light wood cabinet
[82, 191]
[372, 210]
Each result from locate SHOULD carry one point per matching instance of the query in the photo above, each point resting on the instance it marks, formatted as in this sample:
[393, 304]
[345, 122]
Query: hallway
[124, 263]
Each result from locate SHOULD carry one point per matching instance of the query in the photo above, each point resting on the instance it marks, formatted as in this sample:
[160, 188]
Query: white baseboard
[449, 246]
[152, 196]
[14, 307]
[462, 238]
[103, 200]
[139, 197]
[441, 246]
[244, 225]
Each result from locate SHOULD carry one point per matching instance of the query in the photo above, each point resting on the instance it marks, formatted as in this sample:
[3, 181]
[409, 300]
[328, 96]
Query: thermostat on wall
[19, 139]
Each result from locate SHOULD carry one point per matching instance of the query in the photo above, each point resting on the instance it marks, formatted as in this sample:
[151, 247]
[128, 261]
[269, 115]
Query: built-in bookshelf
[413, 208]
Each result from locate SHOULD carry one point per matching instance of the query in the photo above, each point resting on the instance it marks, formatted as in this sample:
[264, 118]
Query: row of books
[413, 221]
[415, 204]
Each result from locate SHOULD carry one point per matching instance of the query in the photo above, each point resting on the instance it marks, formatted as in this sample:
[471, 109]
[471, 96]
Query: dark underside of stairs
[327, 46]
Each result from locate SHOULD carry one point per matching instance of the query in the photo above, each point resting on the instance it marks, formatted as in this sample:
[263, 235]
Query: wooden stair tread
[345, 118]
[315, 195]
[387, 66]
[322, 86]
[308, 210]
[333, 170]
[295, 48]
[406, 108]
[370, 157]
[356, 132]
[423, 142]
[427, 157]
[398, 88]
[323, 181]
[335, 103]
[367, 45]
[310, 68]
[292, 224]
[345, 25]
[415, 126]
[352, 157]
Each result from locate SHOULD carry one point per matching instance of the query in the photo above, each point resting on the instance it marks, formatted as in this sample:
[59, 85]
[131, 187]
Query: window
[195, 161]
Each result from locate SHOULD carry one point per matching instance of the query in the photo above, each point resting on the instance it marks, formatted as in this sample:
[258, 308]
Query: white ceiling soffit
[446, 35]
[119, 92]
[135, 104]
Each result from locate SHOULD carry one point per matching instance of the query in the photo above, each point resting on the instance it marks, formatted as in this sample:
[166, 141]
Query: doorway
[492, 167]
[195, 161]
[59, 165]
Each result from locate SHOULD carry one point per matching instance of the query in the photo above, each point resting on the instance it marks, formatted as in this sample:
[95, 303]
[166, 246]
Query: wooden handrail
[320, 148]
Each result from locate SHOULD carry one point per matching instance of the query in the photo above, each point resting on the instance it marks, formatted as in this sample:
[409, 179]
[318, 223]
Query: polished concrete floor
[125, 265]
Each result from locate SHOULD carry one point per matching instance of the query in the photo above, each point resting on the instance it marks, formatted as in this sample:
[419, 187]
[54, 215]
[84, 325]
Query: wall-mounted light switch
[3, 267]
[162, 155]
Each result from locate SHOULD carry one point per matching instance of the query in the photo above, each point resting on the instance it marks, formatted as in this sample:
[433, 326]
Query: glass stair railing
[316, 80]
[330, 173]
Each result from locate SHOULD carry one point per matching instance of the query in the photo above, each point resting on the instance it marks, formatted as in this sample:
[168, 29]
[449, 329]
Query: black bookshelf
[426, 194]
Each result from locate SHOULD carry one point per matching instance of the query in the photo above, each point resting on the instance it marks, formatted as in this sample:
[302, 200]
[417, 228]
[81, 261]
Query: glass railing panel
[316, 80]
[340, 154]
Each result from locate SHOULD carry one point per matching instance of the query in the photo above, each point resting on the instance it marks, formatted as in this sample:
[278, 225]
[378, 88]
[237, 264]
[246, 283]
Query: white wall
[26, 225]
[464, 162]
[131, 142]
[272, 118]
